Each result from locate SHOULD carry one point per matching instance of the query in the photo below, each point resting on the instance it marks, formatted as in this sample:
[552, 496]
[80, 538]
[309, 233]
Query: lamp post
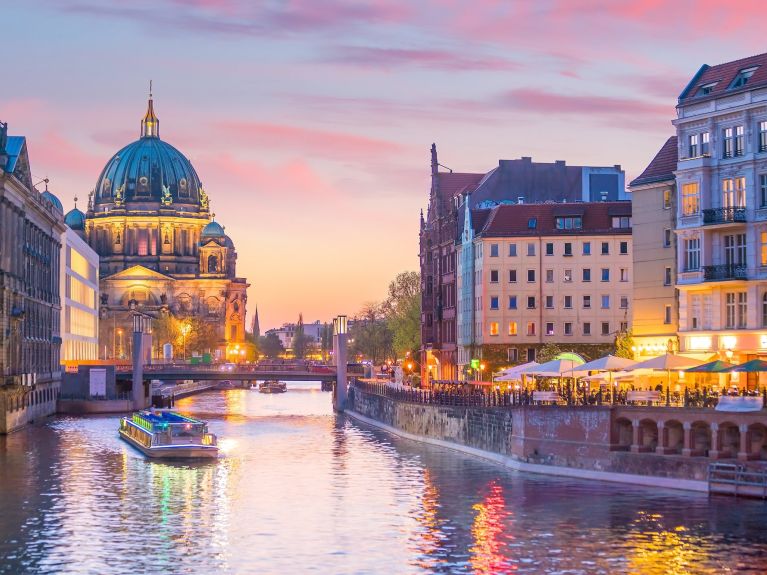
[120, 335]
[185, 329]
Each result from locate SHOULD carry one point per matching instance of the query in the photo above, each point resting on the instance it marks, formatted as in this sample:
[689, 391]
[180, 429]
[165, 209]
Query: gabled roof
[662, 166]
[452, 183]
[513, 220]
[14, 147]
[723, 75]
[138, 272]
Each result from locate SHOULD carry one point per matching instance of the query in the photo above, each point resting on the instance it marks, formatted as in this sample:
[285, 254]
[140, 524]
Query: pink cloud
[52, 153]
[367, 56]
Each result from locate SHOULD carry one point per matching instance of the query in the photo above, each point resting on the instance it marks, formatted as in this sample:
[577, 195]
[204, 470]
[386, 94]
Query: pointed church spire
[150, 125]
[256, 327]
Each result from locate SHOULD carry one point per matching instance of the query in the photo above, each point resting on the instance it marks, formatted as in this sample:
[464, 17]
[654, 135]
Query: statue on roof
[166, 199]
[204, 200]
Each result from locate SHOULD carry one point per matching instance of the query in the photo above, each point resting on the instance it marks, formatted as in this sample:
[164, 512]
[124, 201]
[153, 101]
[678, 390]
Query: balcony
[724, 272]
[724, 215]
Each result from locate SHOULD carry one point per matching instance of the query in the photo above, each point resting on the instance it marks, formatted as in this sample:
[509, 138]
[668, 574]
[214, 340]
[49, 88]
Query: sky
[310, 123]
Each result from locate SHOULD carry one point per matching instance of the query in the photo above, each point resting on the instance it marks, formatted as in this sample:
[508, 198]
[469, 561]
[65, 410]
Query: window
[493, 328]
[530, 249]
[586, 248]
[667, 238]
[493, 250]
[568, 302]
[549, 276]
[667, 314]
[690, 199]
[605, 328]
[512, 251]
[531, 276]
[763, 136]
[568, 249]
[512, 354]
[692, 146]
[742, 78]
[728, 142]
[624, 302]
[763, 248]
[569, 223]
[587, 274]
[667, 199]
[736, 305]
[587, 302]
[605, 302]
[549, 249]
[763, 190]
[624, 274]
[568, 328]
[531, 353]
[512, 302]
[735, 249]
[624, 248]
[512, 276]
[513, 328]
[764, 310]
[742, 309]
[531, 302]
[494, 276]
[532, 223]
[692, 254]
[734, 192]
[667, 276]
[587, 328]
[550, 302]
[605, 274]
[568, 276]
[739, 140]
[704, 144]
[605, 248]
[494, 302]
[706, 89]
[550, 328]
[621, 222]
[530, 331]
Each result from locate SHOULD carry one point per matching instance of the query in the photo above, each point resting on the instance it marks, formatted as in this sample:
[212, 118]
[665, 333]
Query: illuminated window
[493, 328]
[512, 328]
[79, 265]
[763, 248]
[78, 292]
[667, 199]
[690, 199]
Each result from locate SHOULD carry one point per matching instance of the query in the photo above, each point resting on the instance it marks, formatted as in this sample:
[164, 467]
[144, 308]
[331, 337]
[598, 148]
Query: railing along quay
[737, 479]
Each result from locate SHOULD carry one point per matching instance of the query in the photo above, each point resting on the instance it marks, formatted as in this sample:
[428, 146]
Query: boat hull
[173, 451]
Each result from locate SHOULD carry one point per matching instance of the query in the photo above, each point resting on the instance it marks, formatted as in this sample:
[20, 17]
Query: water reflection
[301, 490]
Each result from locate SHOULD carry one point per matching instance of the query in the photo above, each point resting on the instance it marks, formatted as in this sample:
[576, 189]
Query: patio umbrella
[667, 362]
[553, 368]
[753, 366]
[609, 364]
[515, 373]
[716, 366]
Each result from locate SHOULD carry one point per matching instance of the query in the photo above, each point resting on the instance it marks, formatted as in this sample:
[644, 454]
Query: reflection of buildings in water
[426, 542]
[490, 540]
[651, 549]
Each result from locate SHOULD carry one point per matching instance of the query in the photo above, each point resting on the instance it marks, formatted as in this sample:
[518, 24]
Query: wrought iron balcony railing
[724, 272]
[724, 215]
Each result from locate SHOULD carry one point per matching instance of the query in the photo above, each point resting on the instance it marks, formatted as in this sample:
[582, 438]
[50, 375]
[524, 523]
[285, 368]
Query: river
[301, 490]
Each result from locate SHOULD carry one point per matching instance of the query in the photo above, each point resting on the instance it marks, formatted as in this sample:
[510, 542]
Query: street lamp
[481, 369]
[120, 334]
[185, 329]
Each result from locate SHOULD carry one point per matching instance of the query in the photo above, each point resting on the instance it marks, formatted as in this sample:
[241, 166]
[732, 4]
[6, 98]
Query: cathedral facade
[160, 250]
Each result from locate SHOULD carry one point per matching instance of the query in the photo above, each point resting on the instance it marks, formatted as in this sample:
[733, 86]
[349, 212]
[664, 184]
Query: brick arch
[622, 433]
[757, 440]
[648, 434]
[728, 439]
[700, 438]
[673, 436]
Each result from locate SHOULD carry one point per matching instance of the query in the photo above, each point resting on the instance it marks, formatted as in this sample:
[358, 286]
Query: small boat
[162, 433]
[273, 386]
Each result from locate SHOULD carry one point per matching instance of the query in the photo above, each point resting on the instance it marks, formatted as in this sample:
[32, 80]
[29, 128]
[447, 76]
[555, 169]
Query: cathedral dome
[75, 219]
[150, 170]
[212, 231]
[53, 199]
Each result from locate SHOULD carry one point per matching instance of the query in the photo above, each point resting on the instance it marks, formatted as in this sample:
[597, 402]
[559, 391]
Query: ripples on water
[302, 491]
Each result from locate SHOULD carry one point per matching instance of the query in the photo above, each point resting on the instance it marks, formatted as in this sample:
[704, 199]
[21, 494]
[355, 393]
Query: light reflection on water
[300, 490]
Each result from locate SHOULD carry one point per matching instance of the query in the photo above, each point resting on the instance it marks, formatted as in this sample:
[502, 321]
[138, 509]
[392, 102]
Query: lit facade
[160, 250]
[654, 307]
[721, 212]
[80, 297]
[31, 225]
[534, 274]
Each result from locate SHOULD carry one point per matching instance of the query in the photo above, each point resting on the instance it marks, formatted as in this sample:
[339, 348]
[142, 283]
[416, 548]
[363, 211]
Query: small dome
[53, 199]
[213, 230]
[75, 219]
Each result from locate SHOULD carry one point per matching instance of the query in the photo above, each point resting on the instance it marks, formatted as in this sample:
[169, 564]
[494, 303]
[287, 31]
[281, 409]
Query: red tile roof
[723, 75]
[451, 183]
[662, 166]
[513, 220]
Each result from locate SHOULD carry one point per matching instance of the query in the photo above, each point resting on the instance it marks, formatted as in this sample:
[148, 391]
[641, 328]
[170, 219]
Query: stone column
[687, 447]
[635, 445]
[662, 438]
[744, 451]
[340, 348]
[713, 453]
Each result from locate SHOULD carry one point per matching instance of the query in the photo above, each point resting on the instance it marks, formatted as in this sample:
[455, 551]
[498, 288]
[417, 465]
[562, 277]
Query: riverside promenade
[638, 444]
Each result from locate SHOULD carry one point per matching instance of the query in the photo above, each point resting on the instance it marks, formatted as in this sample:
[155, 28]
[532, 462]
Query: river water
[301, 490]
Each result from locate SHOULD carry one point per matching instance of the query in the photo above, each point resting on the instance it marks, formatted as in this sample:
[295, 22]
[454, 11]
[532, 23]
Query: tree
[300, 339]
[403, 313]
[624, 341]
[548, 352]
[326, 340]
[370, 334]
[271, 346]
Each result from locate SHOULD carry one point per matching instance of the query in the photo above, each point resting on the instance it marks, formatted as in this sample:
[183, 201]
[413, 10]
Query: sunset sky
[310, 123]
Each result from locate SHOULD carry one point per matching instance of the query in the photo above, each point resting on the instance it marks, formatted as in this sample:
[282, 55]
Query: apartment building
[532, 274]
[721, 213]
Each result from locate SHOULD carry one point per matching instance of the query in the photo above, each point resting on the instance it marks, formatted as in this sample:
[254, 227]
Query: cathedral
[161, 252]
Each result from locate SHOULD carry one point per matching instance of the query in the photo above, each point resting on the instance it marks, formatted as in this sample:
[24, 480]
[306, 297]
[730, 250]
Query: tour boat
[161, 433]
[273, 386]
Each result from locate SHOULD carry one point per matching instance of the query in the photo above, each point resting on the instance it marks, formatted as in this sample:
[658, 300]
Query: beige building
[721, 215]
[654, 310]
[533, 274]
[79, 295]
[31, 225]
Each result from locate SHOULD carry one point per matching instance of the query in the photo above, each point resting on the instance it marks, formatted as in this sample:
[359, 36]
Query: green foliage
[402, 309]
[300, 340]
[624, 341]
[370, 336]
[271, 346]
[326, 340]
[547, 352]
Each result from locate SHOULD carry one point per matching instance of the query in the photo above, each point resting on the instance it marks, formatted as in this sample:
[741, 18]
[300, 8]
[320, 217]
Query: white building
[79, 297]
[721, 212]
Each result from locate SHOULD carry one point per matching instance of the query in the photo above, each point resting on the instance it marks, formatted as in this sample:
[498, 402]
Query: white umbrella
[667, 362]
[515, 373]
[553, 368]
[606, 363]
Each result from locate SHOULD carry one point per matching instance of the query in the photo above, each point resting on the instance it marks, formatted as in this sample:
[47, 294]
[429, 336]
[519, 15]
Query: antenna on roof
[150, 89]
[443, 166]
[75, 202]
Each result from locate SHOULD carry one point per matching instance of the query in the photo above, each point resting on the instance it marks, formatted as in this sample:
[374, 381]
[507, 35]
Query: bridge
[243, 373]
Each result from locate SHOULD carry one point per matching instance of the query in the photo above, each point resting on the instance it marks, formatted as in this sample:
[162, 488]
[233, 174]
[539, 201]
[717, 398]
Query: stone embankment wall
[581, 438]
